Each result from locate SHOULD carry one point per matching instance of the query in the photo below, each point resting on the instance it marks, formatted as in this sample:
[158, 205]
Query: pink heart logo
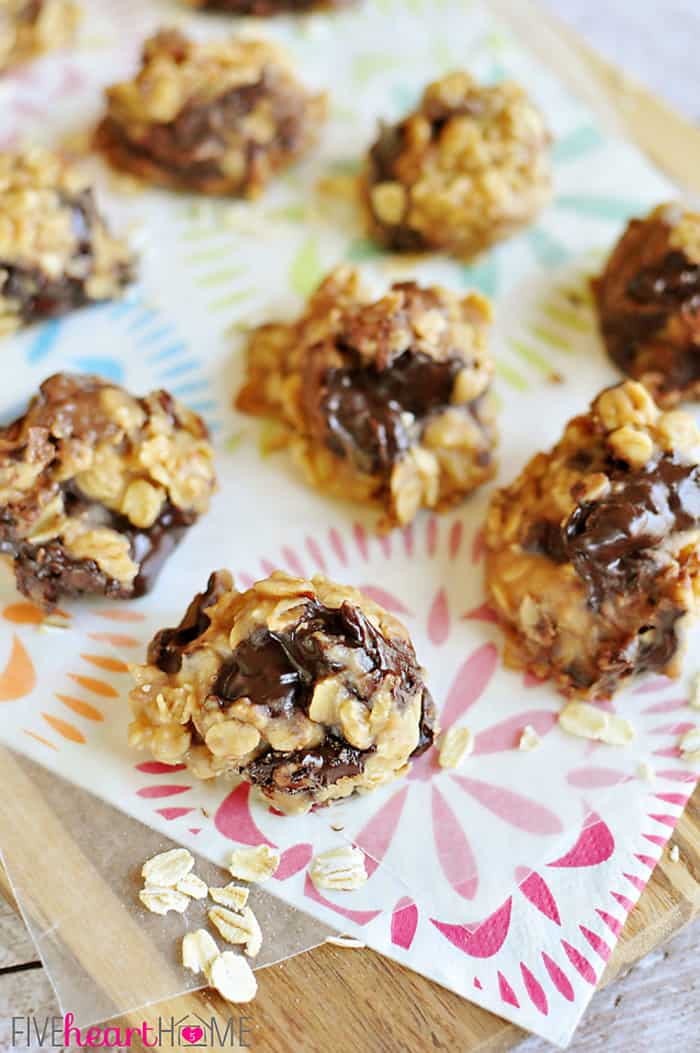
[192, 1034]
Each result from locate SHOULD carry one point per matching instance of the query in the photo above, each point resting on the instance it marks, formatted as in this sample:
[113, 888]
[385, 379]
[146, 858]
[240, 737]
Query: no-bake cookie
[264, 8]
[219, 118]
[30, 27]
[648, 300]
[384, 401]
[593, 557]
[97, 487]
[469, 167]
[56, 251]
[306, 689]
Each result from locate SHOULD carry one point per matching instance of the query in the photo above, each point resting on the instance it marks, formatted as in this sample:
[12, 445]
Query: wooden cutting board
[350, 1001]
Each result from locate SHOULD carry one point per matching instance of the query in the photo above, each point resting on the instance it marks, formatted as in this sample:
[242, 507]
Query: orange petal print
[69, 731]
[39, 738]
[103, 661]
[24, 614]
[99, 687]
[83, 709]
[18, 677]
[116, 639]
[116, 615]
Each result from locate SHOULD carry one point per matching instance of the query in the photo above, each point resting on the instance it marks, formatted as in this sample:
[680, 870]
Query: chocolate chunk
[366, 409]
[279, 670]
[307, 769]
[167, 646]
[608, 541]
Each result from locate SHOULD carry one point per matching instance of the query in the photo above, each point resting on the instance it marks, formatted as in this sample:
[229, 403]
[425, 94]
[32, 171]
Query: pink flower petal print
[337, 545]
[314, 550]
[513, 808]
[157, 768]
[439, 619]
[679, 799]
[614, 924]
[293, 562]
[656, 683]
[483, 941]
[624, 901]
[534, 990]
[506, 991]
[558, 977]
[506, 735]
[293, 860]
[678, 775]
[580, 963]
[360, 535]
[639, 883]
[431, 536]
[234, 821]
[455, 539]
[164, 790]
[376, 835]
[595, 778]
[484, 613]
[360, 917]
[597, 943]
[538, 892]
[478, 546]
[669, 706]
[404, 922]
[453, 849]
[595, 844]
[385, 599]
[530, 680]
[665, 820]
[408, 539]
[469, 684]
[173, 813]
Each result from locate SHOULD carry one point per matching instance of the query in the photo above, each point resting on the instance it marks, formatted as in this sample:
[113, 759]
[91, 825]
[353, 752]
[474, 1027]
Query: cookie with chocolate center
[385, 401]
[469, 167]
[593, 558]
[648, 302]
[219, 118]
[306, 689]
[56, 251]
[97, 488]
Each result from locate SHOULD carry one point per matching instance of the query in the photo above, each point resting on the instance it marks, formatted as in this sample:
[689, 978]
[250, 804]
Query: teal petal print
[548, 251]
[482, 276]
[593, 206]
[576, 144]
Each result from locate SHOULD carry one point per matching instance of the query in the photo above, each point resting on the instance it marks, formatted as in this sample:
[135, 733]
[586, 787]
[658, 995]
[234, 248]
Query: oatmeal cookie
[31, 27]
[97, 487]
[306, 689]
[468, 168]
[386, 401]
[219, 118]
[56, 251]
[648, 301]
[593, 557]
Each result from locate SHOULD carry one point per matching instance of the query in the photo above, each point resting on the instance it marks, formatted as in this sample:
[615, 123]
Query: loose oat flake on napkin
[507, 879]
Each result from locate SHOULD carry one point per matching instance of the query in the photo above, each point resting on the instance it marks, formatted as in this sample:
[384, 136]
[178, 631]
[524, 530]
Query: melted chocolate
[39, 296]
[609, 541]
[646, 283]
[191, 147]
[308, 770]
[167, 647]
[46, 571]
[279, 670]
[364, 407]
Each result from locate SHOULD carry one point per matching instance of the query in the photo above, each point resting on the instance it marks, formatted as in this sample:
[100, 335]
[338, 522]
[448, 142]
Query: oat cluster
[220, 694]
[593, 562]
[383, 401]
[469, 167]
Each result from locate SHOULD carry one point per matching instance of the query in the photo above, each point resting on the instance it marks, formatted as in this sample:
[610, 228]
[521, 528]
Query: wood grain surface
[357, 1001]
